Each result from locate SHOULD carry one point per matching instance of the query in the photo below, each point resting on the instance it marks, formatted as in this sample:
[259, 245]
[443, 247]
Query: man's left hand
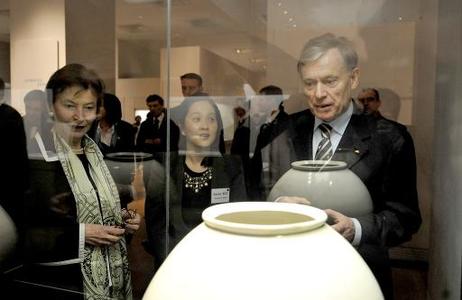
[342, 224]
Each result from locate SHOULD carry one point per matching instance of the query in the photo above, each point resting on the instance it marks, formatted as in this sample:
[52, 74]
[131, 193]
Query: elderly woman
[75, 226]
[201, 176]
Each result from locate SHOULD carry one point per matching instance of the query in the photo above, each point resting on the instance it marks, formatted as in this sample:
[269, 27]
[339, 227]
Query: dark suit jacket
[227, 173]
[381, 153]
[52, 229]
[253, 166]
[123, 141]
[148, 131]
[14, 166]
[124, 138]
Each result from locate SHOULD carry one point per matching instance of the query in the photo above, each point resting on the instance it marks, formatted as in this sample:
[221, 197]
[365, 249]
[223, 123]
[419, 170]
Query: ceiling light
[242, 50]
[291, 19]
[257, 60]
[286, 12]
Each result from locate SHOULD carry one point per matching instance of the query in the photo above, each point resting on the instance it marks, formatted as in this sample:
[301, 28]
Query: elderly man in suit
[380, 152]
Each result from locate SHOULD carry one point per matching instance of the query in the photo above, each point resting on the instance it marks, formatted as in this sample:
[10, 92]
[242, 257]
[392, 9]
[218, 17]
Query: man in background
[152, 136]
[370, 99]
[191, 84]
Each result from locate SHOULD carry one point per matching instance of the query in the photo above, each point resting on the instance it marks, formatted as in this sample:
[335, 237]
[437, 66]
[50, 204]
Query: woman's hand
[102, 235]
[131, 220]
[133, 224]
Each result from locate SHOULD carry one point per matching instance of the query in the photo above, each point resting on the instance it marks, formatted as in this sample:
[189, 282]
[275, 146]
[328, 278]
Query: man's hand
[293, 199]
[155, 141]
[102, 235]
[342, 224]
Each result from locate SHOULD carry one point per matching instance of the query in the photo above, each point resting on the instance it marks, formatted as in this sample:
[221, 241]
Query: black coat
[381, 153]
[148, 131]
[227, 172]
[14, 166]
[124, 138]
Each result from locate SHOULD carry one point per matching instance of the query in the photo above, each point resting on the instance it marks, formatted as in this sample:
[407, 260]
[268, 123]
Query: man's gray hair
[318, 46]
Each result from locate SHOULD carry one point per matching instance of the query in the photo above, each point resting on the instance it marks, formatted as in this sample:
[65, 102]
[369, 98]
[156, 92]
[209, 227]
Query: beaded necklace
[196, 183]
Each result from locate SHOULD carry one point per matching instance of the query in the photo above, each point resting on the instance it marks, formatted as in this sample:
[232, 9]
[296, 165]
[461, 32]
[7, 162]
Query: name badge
[220, 195]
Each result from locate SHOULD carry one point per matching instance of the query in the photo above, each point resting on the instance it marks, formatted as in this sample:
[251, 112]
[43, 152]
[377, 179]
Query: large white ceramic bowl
[327, 184]
[263, 250]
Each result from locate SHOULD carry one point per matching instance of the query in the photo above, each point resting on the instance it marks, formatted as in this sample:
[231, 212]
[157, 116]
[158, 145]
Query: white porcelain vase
[327, 184]
[263, 250]
[8, 234]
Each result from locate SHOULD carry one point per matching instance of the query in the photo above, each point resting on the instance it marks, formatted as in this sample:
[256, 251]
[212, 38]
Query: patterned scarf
[105, 269]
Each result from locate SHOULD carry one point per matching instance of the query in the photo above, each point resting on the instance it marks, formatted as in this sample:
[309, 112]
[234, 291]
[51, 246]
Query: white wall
[132, 92]
[90, 37]
[37, 35]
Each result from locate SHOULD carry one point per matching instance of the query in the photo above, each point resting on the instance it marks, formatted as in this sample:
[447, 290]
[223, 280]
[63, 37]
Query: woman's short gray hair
[318, 46]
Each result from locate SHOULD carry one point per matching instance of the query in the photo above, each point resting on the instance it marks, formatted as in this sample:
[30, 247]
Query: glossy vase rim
[129, 156]
[210, 214]
[318, 165]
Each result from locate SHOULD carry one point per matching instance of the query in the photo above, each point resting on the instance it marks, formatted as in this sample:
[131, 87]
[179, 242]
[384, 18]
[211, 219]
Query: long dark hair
[113, 108]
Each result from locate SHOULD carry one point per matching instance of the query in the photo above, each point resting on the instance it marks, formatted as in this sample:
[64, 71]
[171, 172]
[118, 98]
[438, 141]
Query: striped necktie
[324, 151]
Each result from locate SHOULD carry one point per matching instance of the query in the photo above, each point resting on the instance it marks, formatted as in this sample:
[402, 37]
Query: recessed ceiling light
[241, 50]
[400, 18]
[291, 19]
[286, 12]
[279, 4]
[295, 25]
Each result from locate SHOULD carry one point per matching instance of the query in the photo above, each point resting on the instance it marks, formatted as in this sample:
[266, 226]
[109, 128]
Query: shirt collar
[340, 123]
[160, 117]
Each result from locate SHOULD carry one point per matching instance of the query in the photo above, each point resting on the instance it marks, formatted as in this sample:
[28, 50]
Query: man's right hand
[102, 235]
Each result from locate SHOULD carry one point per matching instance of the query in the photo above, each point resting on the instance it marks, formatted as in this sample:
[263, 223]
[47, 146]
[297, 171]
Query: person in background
[137, 122]
[37, 118]
[370, 99]
[75, 226]
[378, 151]
[265, 108]
[201, 176]
[136, 127]
[152, 136]
[191, 83]
[110, 132]
[113, 135]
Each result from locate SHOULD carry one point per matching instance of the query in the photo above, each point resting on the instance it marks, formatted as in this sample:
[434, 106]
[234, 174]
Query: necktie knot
[156, 123]
[325, 129]
[324, 151]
